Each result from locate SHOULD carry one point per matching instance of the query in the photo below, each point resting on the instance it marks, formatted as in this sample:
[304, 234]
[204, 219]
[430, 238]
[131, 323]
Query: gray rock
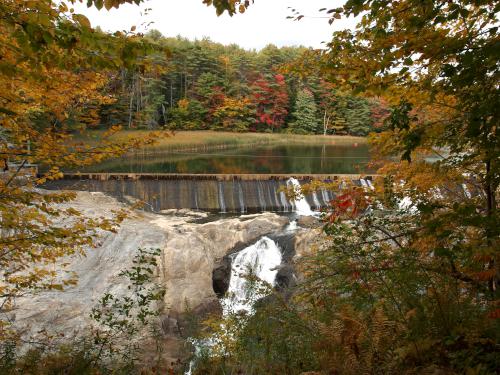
[189, 254]
[308, 222]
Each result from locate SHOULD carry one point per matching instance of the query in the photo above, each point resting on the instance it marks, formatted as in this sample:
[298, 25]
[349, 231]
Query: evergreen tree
[305, 114]
[357, 114]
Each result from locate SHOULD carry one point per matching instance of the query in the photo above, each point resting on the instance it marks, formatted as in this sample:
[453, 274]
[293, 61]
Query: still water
[345, 158]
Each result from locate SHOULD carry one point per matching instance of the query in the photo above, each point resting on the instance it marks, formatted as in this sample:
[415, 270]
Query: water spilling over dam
[213, 193]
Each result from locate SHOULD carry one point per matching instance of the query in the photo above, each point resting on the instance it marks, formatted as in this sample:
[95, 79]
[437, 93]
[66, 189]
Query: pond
[342, 158]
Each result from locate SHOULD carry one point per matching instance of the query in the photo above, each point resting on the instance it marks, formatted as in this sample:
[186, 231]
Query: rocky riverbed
[190, 251]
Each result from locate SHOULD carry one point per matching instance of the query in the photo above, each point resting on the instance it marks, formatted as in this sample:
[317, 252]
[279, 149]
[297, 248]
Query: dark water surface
[344, 158]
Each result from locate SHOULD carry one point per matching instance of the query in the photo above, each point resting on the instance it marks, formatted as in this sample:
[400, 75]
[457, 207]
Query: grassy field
[210, 140]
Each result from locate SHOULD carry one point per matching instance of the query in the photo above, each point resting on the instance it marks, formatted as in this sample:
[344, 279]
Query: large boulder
[307, 241]
[309, 222]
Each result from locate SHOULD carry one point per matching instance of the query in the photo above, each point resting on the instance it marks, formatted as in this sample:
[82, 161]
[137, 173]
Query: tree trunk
[326, 123]
[171, 94]
[131, 105]
[491, 207]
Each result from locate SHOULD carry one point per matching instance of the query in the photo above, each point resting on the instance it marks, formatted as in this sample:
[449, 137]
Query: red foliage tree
[270, 97]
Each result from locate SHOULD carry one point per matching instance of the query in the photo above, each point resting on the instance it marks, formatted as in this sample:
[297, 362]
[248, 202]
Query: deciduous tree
[53, 67]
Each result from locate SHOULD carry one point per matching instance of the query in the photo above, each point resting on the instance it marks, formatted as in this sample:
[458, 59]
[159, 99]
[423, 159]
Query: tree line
[203, 85]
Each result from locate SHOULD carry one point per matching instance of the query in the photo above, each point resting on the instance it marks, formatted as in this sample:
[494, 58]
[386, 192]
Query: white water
[260, 194]
[316, 200]
[370, 184]
[242, 199]
[324, 195]
[364, 184]
[292, 227]
[262, 260]
[284, 201]
[222, 202]
[301, 206]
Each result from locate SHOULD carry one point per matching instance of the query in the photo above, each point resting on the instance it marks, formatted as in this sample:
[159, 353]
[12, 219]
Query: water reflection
[281, 159]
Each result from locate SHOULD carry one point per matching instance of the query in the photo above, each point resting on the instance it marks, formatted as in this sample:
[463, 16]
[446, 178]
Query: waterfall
[222, 202]
[302, 207]
[324, 195]
[364, 184]
[273, 197]
[241, 198]
[196, 200]
[317, 204]
[284, 201]
[370, 184]
[210, 194]
[262, 200]
[260, 259]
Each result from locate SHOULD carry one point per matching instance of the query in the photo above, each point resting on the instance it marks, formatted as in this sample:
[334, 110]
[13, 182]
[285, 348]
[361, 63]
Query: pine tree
[357, 114]
[305, 114]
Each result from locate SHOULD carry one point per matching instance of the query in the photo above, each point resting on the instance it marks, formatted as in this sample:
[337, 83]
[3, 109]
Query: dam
[219, 193]
[233, 180]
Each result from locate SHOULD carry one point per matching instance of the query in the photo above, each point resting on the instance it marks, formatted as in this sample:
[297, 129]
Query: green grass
[210, 140]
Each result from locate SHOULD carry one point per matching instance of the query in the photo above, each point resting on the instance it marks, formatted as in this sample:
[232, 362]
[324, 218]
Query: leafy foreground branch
[125, 332]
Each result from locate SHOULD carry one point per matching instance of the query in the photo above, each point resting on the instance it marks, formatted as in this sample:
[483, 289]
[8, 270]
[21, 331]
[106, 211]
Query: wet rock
[221, 276]
[307, 240]
[285, 279]
[308, 222]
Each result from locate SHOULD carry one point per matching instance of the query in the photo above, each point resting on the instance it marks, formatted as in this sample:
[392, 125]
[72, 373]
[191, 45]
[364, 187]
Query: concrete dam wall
[214, 193]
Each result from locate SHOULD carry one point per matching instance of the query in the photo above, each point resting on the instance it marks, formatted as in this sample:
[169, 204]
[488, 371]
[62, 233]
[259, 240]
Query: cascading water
[261, 260]
[316, 200]
[284, 201]
[222, 202]
[364, 184]
[241, 198]
[370, 184]
[301, 206]
[260, 194]
[210, 194]
[324, 195]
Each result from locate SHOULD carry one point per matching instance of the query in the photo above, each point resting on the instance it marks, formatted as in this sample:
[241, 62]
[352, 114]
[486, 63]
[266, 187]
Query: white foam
[262, 259]
[301, 206]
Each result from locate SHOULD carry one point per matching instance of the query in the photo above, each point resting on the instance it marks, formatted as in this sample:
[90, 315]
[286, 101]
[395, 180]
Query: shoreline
[203, 140]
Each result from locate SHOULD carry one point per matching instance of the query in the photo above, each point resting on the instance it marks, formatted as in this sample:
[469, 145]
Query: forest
[399, 276]
[202, 85]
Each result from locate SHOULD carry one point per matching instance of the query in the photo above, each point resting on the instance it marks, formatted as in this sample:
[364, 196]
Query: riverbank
[211, 140]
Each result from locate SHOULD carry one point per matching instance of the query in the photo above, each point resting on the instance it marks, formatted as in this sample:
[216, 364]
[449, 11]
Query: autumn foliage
[53, 69]
[271, 100]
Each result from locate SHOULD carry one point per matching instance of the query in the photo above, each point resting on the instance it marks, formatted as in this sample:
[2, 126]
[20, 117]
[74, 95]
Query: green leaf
[408, 61]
